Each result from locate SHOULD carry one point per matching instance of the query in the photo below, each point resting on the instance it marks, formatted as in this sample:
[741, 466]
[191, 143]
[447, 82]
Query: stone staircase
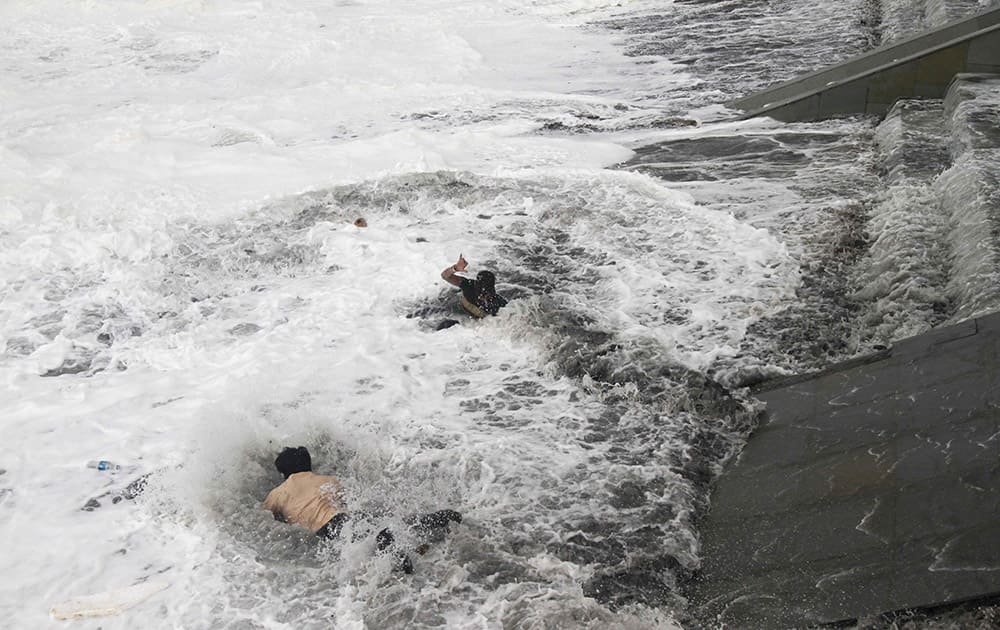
[934, 231]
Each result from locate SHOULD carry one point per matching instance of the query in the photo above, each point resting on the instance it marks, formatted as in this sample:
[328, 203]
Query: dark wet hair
[487, 281]
[293, 460]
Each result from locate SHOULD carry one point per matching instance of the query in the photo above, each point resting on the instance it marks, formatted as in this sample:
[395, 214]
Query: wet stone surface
[869, 488]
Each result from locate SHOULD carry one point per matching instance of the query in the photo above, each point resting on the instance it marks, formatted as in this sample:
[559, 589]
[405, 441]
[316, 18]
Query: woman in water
[479, 297]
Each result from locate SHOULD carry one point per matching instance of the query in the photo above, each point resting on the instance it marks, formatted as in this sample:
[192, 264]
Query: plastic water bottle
[103, 465]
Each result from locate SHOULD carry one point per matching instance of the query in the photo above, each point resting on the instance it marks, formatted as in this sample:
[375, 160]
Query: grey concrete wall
[871, 487]
[919, 67]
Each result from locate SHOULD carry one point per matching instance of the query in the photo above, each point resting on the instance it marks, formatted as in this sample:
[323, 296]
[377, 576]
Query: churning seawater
[183, 291]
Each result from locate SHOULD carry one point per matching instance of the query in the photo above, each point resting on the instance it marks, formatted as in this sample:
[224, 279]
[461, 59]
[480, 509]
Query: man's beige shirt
[306, 499]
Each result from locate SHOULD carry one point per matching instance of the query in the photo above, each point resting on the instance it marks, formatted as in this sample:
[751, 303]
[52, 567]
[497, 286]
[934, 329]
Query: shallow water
[183, 291]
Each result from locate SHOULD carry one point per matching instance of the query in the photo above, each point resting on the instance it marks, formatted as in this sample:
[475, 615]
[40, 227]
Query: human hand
[461, 264]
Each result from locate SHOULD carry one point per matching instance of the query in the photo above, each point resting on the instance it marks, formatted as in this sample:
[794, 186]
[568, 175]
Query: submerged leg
[441, 518]
[385, 541]
[433, 526]
[331, 531]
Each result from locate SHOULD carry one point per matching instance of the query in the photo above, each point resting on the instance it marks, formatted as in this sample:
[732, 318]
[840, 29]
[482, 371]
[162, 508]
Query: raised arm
[448, 275]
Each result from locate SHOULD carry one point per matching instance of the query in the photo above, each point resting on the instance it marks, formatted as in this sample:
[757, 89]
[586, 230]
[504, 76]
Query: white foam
[148, 152]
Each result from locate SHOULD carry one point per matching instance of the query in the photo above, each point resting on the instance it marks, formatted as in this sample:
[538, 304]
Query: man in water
[315, 502]
[479, 297]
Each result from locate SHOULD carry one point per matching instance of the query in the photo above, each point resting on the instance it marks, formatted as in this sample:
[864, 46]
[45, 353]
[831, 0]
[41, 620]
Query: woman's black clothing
[427, 527]
[483, 299]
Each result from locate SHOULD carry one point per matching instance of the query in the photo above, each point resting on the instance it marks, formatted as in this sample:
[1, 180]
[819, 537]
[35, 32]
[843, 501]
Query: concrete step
[913, 142]
[868, 488]
[970, 188]
[934, 230]
[901, 281]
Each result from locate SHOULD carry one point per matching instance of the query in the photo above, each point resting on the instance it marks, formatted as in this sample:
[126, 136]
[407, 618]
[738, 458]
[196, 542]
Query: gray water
[895, 221]
[581, 430]
[856, 205]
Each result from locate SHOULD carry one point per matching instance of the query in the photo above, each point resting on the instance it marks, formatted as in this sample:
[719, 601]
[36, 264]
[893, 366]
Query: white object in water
[107, 603]
[103, 465]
